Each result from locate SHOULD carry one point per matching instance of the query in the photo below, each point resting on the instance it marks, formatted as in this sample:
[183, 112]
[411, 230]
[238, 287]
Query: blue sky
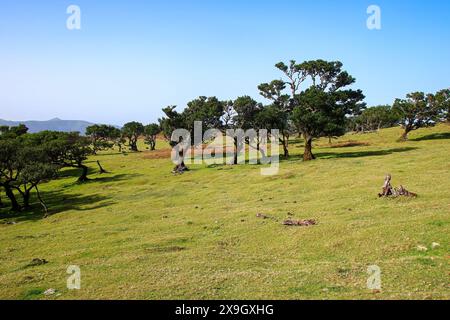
[132, 58]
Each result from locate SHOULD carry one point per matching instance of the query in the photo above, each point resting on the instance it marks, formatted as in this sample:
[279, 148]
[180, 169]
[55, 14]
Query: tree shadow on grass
[74, 172]
[434, 136]
[104, 178]
[360, 154]
[94, 175]
[354, 154]
[57, 202]
[296, 141]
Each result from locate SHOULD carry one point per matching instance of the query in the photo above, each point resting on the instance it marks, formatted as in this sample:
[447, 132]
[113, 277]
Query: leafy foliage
[102, 136]
[150, 133]
[417, 111]
[442, 101]
[374, 118]
[132, 131]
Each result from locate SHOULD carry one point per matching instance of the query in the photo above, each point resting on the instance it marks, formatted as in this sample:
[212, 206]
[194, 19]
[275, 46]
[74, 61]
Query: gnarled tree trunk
[308, 155]
[404, 136]
[133, 144]
[133, 147]
[10, 194]
[84, 173]
[153, 144]
[26, 199]
[284, 143]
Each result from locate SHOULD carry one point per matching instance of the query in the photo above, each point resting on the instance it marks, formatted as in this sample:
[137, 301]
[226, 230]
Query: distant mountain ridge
[54, 124]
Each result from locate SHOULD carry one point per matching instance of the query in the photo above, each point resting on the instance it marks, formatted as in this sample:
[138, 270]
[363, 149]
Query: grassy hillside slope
[141, 233]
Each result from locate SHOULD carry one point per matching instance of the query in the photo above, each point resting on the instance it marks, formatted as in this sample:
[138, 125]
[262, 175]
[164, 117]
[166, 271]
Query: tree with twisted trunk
[102, 136]
[322, 110]
[10, 146]
[64, 149]
[132, 131]
[207, 110]
[23, 166]
[150, 133]
[417, 111]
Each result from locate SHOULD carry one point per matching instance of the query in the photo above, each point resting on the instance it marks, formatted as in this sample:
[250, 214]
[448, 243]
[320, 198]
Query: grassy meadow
[140, 232]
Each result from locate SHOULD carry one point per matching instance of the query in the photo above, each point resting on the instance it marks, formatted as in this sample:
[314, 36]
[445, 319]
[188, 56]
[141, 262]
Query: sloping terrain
[140, 232]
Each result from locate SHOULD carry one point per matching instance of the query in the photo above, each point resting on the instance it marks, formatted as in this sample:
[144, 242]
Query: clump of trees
[374, 119]
[312, 99]
[27, 160]
[65, 149]
[420, 110]
[443, 100]
[103, 136]
[320, 109]
[416, 111]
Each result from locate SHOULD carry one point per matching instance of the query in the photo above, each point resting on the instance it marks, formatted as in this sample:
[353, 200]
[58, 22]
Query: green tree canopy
[132, 131]
[102, 136]
[417, 111]
[322, 109]
[150, 133]
[64, 149]
[375, 118]
[442, 102]
[7, 132]
[23, 166]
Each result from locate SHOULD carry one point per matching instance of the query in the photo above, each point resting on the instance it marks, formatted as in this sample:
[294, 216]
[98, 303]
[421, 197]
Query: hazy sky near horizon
[132, 58]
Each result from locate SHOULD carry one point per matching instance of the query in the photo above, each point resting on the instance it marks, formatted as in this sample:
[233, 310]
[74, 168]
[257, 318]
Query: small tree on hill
[132, 131]
[64, 149]
[323, 108]
[416, 111]
[102, 136]
[375, 118]
[10, 150]
[442, 101]
[150, 133]
[23, 167]
[208, 111]
[173, 121]
[33, 167]
[8, 169]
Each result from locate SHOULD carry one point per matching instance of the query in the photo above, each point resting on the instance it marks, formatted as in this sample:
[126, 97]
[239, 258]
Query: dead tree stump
[389, 191]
